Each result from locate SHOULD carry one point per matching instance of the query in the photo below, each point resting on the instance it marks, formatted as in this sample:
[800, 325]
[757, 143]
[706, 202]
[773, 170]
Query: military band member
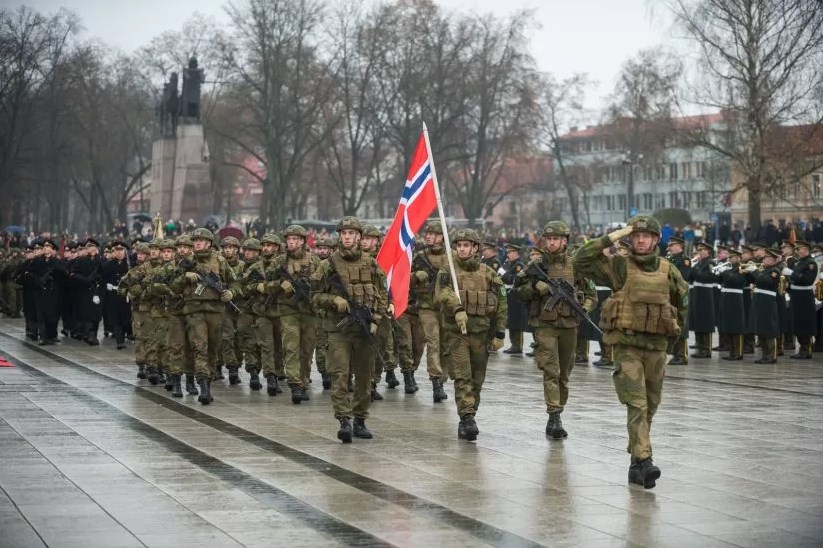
[733, 314]
[517, 315]
[802, 275]
[701, 298]
[720, 262]
[763, 320]
[747, 258]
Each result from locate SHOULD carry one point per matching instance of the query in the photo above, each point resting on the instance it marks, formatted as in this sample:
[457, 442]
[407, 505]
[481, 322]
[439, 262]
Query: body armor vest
[358, 277]
[642, 305]
[564, 271]
[477, 297]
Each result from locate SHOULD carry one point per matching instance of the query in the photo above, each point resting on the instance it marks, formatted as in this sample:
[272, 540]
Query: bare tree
[760, 65]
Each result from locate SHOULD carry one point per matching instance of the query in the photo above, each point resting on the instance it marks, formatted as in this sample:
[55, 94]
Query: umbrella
[225, 232]
[14, 229]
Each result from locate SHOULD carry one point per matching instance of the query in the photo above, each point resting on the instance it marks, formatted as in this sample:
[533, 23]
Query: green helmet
[184, 239]
[154, 244]
[252, 243]
[325, 242]
[271, 238]
[350, 222]
[295, 230]
[141, 247]
[371, 230]
[467, 235]
[556, 228]
[645, 223]
[202, 234]
[168, 243]
[230, 240]
[434, 226]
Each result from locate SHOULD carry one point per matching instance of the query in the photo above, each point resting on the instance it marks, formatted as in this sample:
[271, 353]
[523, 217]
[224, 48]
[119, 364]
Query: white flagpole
[446, 242]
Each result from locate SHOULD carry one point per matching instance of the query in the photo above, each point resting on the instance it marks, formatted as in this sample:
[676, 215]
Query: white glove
[390, 309]
[110, 287]
[501, 271]
[787, 271]
[95, 299]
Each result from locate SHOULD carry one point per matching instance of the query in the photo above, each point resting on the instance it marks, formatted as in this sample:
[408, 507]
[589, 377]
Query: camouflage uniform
[230, 353]
[555, 330]
[321, 336]
[131, 289]
[288, 272]
[357, 275]
[481, 304]
[246, 337]
[159, 314]
[649, 304]
[153, 336]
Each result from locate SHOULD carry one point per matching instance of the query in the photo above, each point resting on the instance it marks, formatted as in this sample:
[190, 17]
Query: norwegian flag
[419, 199]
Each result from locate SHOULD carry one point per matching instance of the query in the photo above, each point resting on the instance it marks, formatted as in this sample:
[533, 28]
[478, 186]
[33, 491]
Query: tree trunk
[755, 199]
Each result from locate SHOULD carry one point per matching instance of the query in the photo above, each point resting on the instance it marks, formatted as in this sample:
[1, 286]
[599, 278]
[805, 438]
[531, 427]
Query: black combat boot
[151, 373]
[391, 380]
[141, 371]
[374, 394]
[437, 391]
[191, 388]
[326, 381]
[678, 360]
[345, 433]
[296, 394]
[205, 391]
[169, 382]
[234, 375]
[467, 429]
[305, 396]
[271, 384]
[254, 381]
[644, 473]
[178, 389]
[554, 427]
[360, 430]
[218, 373]
[408, 382]
[161, 377]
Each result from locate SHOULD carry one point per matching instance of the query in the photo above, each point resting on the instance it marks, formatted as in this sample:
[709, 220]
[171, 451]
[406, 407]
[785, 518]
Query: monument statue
[192, 80]
[169, 107]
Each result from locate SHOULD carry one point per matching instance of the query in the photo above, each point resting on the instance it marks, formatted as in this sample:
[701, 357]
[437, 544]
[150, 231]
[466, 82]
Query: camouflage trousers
[140, 328]
[468, 356]
[638, 381]
[156, 340]
[384, 349]
[321, 346]
[554, 354]
[180, 358]
[408, 357]
[355, 353]
[230, 353]
[12, 296]
[247, 342]
[270, 342]
[298, 339]
[430, 324]
[203, 329]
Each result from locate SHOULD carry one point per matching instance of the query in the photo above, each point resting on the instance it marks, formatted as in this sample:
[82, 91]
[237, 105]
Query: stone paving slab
[93, 456]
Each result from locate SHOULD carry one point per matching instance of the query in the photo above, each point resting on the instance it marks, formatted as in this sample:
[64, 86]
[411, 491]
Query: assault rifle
[260, 277]
[359, 314]
[302, 290]
[421, 260]
[207, 279]
[560, 290]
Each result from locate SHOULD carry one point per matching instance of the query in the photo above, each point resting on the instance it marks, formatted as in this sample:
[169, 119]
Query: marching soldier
[248, 349]
[802, 277]
[291, 274]
[370, 244]
[701, 309]
[323, 247]
[642, 282]
[466, 322]
[763, 320]
[131, 289]
[11, 289]
[733, 314]
[84, 280]
[50, 274]
[350, 283]
[74, 293]
[115, 307]
[517, 313]
[555, 329]
[22, 276]
[231, 354]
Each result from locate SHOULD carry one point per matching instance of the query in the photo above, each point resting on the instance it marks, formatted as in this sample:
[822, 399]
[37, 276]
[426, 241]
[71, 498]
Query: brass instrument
[745, 267]
[721, 267]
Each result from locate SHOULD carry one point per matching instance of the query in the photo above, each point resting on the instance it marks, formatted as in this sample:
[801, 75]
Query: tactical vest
[477, 297]
[299, 267]
[358, 277]
[642, 305]
[565, 271]
[200, 291]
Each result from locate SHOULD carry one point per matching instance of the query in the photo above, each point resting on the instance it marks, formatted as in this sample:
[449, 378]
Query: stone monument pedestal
[180, 182]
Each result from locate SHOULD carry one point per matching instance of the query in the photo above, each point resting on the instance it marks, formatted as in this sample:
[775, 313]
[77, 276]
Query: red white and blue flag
[419, 199]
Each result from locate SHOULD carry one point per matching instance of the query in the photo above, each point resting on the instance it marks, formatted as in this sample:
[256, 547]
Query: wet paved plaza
[93, 457]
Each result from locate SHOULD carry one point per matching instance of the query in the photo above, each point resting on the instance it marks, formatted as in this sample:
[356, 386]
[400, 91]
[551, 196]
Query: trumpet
[721, 267]
[750, 266]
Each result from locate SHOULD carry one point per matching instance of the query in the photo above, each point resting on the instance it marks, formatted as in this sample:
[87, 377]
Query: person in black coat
[763, 320]
[85, 275]
[802, 277]
[701, 301]
[69, 302]
[746, 258]
[676, 255]
[518, 314]
[732, 312]
[50, 275]
[24, 277]
[115, 307]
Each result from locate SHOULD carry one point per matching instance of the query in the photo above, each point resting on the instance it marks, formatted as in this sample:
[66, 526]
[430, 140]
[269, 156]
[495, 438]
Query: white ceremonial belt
[699, 284]
[802, 287]
[602, 288]
[765, 291]
[730, 290]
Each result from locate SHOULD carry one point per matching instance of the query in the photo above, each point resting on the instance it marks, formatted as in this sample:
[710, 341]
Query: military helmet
[467, 235]
[325, 242]
[167, 243]
[202, 234]
[350, 222]
[295, 230]
[229, 240]
[556, 228]
[184, 239]
[141, 247]
[435, 227]
[645, 223]
[271, 238]
[155, 244]
[371, 230]
[252, 243]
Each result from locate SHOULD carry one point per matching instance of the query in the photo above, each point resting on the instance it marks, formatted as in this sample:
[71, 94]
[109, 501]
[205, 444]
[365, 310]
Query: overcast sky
[592, 36]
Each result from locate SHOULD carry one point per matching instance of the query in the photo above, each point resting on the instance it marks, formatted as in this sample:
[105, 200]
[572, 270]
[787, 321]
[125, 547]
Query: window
[597, 203]
[686, 170]
[621, 202]
[701, 169]
[674, 200]
[687, 200]
[661, 172]
[609, 203]
[648, 205]
[673, 171]
[660, 201]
